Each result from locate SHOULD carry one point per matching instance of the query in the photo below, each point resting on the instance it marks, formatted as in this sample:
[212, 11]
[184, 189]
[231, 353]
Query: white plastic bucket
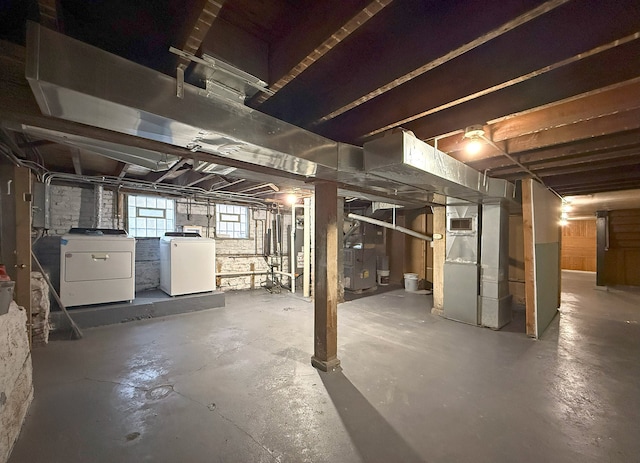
[411, 282]
[383, 277]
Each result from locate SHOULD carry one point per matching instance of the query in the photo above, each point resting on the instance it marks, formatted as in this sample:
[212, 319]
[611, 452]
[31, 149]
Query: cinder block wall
[74, 206]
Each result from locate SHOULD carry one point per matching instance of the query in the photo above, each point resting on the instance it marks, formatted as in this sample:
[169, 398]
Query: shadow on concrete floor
[353, 295]
[373, 437]
[518, 323]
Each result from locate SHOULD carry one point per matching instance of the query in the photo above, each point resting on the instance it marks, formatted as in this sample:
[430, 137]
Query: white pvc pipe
[406, 231]
[306, 249]
[292, 248]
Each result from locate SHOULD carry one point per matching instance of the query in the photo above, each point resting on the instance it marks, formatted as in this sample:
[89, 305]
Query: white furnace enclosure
[96, 266]
[187, 264]
[541, 215]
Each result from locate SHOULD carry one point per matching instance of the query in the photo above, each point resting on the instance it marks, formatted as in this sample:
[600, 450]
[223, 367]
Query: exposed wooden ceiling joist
[208, 14]
[584, 76]
[590, 105]
[498, 31]
[601, 102]
[630, 159]
[628, 120]
[580, 162]
[504, 84]
[77, 163]
[181, 162]
[203, 178]
[598, 145]
[49, 13]
[122, 169]
[556, 84]
[282, 55]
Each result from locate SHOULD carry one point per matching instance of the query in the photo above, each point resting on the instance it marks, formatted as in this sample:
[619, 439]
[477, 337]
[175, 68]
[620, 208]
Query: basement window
[232, 221]
[150, 216]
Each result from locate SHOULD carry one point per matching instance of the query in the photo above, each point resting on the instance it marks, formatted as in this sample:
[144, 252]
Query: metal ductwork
[78, 82]
[401, 157]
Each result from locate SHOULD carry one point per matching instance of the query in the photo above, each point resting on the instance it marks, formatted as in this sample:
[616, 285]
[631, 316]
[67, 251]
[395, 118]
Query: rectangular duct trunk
[461, 272]
[403, 158]
[495, 300]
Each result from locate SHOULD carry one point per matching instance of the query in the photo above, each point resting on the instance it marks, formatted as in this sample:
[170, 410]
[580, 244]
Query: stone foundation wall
[16, 385]
[40, 306]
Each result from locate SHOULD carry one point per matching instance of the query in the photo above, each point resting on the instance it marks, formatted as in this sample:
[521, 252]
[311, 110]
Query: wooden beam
[337, 36]
[325, 355]
[502, 85]
[49, 14]
[179, 163]
[612, 176]
[226, 185]
[610, 143]
[590, 105]
[200, 28]
[35, 143]
[77, 164]
[598, 188]
[22, 192]
[123, 167]
[439, 252]
[575, 165]
[606, 125]
[201, 179]
[597, 71]
[476, 99]
[440, 60]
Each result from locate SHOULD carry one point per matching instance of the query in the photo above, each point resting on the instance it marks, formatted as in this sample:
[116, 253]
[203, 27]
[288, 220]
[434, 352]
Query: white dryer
[96, 266]
[187, 264]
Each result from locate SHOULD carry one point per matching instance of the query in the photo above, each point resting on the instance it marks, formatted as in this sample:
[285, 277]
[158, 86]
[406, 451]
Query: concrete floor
[235, 384]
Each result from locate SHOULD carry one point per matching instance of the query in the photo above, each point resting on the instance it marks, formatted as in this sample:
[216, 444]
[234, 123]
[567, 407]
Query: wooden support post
[340, 227]
[601, 247]
[252, 267]
[439, 252]
[22, 187]
[529, 267]
[326, 278]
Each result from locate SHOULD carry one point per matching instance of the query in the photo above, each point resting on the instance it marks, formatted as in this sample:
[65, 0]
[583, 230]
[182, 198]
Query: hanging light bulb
[292, 199]
[473, 135]
[473, 146]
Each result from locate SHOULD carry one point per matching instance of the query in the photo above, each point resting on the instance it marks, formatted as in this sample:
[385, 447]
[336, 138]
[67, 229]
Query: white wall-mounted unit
[187, 264]
[96, 266]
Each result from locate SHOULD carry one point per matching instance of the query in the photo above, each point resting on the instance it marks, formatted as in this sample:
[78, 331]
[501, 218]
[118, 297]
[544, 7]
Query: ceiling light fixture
[291, 199]
[474, 136]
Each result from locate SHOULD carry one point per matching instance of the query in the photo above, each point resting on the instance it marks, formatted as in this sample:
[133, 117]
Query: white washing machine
[97, 266]
[187, 264]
